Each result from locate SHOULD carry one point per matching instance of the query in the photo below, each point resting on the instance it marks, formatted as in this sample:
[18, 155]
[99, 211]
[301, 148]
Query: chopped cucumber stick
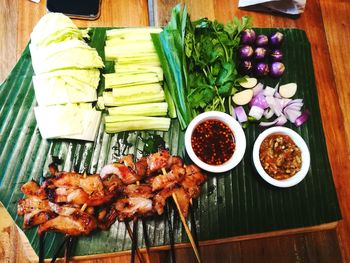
[115, 80]
[133, 123]
[110, 100]
[147, 109]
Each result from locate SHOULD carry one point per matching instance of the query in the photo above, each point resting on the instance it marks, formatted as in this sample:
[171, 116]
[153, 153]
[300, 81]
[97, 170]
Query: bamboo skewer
[70, 239]
[171, 235]
[148, 258]
[183, 219]
[138, 252]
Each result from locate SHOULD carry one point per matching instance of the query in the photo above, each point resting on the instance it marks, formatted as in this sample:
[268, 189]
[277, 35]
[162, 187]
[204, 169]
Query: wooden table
[326, 24]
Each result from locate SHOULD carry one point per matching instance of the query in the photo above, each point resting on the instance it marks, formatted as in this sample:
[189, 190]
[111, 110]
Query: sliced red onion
[291, 114]
[293, 107]
[297, 101]
[281, 120]
[274, 105]
[256, 112]
[302, 118]
[233, 113]
[284, 102]
[260, 101]
[268, 113]
[269, 91]
[240, 114]
[258, 88]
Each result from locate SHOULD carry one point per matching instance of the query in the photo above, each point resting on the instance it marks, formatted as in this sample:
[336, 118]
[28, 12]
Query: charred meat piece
[125, 173]
[127, 160]
[141, 167]
[160, 198]
[27, 205]
[75, 188]
[174, 161]
[35, 210]
[106, 217]
[37, 217]
[53, 169]
[112, 183]
[182, 197]
[157, 161]
[128, 208]
[78, 196]
[32, 188]
[183, 200]
[89, 184]
[192, 181]
[63, 210]
[169, 179]
[142, 190]
[162, 159]
[78, 223]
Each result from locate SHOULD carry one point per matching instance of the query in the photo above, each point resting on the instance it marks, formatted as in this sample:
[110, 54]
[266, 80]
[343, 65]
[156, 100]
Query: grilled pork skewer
[183, 219]
[124, 191]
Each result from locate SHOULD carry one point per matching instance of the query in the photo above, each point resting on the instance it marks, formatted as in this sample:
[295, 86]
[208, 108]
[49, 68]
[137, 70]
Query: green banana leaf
[231, 204]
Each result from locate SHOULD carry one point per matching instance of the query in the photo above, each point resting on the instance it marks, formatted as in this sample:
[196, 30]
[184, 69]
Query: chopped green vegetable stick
[170, 102]
[110, 100]
[147, 109]
[151, 123]
[113, 80]
[141, 60]
[138, 90]
[123, 118]
[114, 53]
[124, 32]
[171, 64]
[136, 68]
[115, 41]
[130, 48]
[131, 74]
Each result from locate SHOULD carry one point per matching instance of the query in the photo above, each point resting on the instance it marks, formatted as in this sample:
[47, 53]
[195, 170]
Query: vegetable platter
[231, 204]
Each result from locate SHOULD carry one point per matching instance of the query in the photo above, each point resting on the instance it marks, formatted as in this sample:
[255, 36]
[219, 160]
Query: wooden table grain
[327, 26]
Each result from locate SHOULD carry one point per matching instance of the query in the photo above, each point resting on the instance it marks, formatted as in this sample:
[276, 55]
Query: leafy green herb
[211, 53]
[152, 144]
[198, 60]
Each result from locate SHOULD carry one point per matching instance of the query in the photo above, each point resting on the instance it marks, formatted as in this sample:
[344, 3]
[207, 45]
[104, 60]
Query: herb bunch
[211, 49]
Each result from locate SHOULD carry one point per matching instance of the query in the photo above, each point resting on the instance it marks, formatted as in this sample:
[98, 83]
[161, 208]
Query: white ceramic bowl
[239, 135]
[305, 156]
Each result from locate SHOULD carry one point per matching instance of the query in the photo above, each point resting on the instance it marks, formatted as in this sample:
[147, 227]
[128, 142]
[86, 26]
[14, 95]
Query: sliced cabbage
[67, 121]
[55, 27]
[70, 54]
[62, 90]
[88, 76]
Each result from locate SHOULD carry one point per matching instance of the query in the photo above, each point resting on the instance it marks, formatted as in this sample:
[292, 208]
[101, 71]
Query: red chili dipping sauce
[213, 142]
[280, 156]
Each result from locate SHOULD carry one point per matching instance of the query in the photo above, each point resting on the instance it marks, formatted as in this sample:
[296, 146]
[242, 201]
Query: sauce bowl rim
[305, 156]
[239, 136]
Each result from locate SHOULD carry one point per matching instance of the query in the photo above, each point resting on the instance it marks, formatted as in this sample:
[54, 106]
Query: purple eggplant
[245, 52]
[260, 53]
[245, 67]
[261, 69]
[276, 39]
[276, 55]
[248, 36]
[261, 41]
[277, 69]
